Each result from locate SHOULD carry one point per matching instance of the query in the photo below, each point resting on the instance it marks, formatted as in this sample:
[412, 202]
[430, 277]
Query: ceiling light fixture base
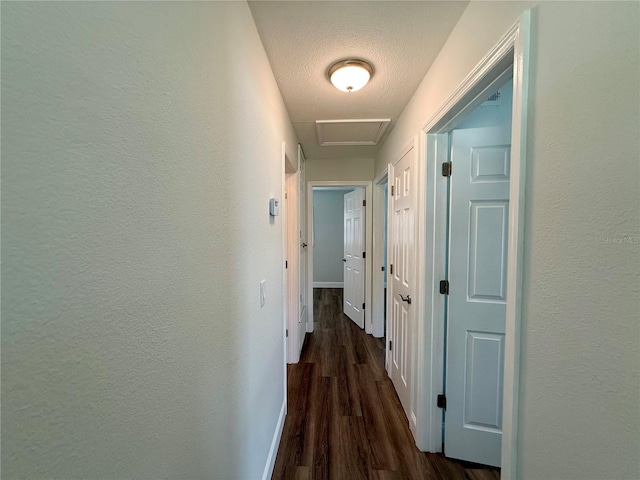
[350, 75]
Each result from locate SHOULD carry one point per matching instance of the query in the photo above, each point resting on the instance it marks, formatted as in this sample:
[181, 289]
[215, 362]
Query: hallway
[344, 418]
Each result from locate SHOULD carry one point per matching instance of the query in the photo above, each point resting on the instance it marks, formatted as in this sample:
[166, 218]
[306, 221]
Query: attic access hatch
[351, 132]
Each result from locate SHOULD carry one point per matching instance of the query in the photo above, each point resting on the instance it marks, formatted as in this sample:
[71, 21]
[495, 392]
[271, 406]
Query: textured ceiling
[302, 39]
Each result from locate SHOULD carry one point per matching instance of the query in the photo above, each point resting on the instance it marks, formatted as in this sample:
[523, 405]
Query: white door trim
[303, 255]
[377, 257]
[367, 185]
[290, 219]
[286, 164]
[511, 52]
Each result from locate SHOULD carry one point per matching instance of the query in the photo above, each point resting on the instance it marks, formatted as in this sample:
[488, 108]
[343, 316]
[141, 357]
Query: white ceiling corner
[401, 39]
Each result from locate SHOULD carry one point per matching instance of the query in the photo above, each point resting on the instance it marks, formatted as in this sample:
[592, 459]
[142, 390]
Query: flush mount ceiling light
[350, 75]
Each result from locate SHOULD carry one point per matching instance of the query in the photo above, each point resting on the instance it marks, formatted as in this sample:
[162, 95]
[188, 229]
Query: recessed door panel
[483, 381]
[404, 339]
[490, 163]
[396, 333]
[488, 250]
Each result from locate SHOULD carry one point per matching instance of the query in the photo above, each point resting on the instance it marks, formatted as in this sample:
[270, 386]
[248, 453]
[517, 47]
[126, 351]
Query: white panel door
[478, 223]
[402, 265]
[353, 256]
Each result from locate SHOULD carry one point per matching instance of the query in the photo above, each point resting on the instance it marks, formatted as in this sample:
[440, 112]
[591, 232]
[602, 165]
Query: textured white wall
[340, 170]
[580, 382]
[328, 234]
[141, 143]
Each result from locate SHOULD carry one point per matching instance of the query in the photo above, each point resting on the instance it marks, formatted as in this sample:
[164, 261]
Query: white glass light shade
[350, 75]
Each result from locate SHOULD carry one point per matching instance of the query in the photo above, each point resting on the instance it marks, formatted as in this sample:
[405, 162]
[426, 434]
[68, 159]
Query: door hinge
[446, 169]
[390, 345]
[442, 401]
[286, 332]
[391, 269]
[364, 254]
[285, 195]
[286, 264]
[363, 306]
[364, 203]
[444, 287]
[392, 190]
[382, 268]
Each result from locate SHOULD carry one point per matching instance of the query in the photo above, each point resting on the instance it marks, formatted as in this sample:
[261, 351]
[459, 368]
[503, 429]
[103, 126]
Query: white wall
[342, 169]
[328, 233]
[580, 387]
[134, 233]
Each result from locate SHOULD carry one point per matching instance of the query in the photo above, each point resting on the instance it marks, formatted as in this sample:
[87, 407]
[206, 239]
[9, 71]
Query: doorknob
[304, 245]
[344, 259]
[406, 299]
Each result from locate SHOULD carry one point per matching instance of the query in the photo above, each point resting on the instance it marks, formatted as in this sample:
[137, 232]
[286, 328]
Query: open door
[354, 251]
[478, 229]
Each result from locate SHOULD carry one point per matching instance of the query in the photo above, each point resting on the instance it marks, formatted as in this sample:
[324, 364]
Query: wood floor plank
[344, 420]
[297, 473]
[321, 411]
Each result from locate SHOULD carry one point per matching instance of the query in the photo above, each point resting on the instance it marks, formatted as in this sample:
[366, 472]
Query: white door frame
[511, 53]
[302, 289]
[377, 258]
[368, 245]
[289, 212]
[287, 166]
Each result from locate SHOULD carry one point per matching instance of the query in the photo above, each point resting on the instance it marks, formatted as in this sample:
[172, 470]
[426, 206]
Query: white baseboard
[328, 284]
[273, 451]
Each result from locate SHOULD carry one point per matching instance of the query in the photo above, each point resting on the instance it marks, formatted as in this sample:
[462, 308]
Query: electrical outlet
[263, 293]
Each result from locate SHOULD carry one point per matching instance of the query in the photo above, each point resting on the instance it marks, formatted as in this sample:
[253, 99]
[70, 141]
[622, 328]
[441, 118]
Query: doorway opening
[327, 226]
[337, 247]
[380, 255]
[476, 260]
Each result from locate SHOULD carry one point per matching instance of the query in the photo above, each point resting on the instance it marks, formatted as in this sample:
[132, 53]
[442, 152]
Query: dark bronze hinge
[364, 254]
[390, 345]
[392, 189]
[391, 269]
[364, 203]
[442, 401]
[446, 169]
[363, 306]
[444, 287]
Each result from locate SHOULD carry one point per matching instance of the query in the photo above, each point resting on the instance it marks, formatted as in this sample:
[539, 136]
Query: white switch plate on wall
[263, 293]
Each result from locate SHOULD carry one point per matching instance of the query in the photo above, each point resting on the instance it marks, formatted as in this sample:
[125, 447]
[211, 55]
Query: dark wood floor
[344, 418]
